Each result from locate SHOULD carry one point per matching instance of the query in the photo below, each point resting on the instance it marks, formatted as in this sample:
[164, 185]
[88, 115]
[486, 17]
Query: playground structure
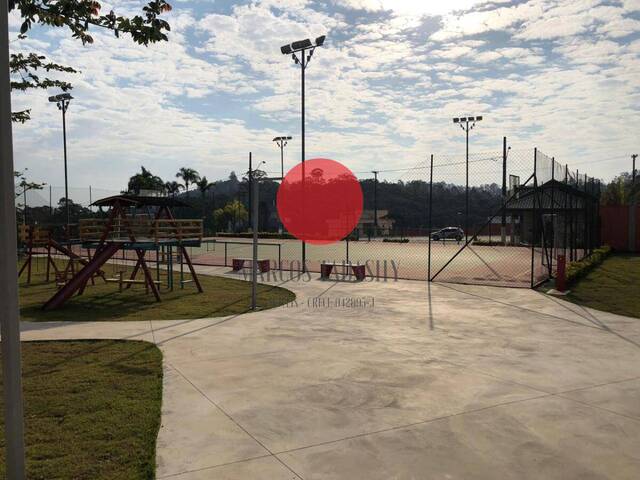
[39, 241]
[127, 231]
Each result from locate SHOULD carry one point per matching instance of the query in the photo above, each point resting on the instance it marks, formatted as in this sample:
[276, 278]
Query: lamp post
[467, 124]
[281, 142]
[62, 100]
[303, 48]
[375, 202]
[633, 169]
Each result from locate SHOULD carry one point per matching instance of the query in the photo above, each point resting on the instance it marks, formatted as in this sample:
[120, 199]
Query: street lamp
[375, 202]
[467, 124]
[62, 100]
[304, 49]
[281, 142]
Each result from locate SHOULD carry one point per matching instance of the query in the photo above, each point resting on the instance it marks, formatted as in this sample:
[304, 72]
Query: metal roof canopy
[139, 201]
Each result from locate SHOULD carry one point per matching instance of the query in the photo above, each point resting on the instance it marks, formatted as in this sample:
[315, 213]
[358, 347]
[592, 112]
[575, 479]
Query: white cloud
[379, 92]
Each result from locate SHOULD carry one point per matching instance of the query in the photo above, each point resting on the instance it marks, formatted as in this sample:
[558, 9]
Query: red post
[561, 274]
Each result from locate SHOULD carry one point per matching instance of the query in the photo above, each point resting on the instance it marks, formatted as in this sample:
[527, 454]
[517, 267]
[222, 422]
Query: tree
[621, 191]
[204, 185]
[25, 187]
[172, 188]
[145, 180]
[188, 176]
[233, 215]
[78, 16]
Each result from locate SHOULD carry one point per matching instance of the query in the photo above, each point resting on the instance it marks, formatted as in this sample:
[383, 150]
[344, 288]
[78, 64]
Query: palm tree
[188, 176]
[203, 185]
[145, 180]
[173, 187]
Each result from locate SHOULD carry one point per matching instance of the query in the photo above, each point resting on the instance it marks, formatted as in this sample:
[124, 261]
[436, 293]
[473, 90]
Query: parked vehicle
[448, 233]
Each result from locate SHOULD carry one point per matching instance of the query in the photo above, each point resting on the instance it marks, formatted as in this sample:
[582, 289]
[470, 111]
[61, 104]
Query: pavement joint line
[153, 334]
[173, 475]
[241, 355]
[225, 319]
[542, 314]
[413, 424]
[561, 394]
[613, 382]
[590, 317]
[496, 377]
[234, 420]
[597, 407]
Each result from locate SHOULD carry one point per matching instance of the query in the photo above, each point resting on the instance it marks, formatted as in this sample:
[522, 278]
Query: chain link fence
[501, 218]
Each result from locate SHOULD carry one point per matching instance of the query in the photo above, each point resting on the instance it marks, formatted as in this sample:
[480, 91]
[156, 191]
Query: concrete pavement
[399, 380]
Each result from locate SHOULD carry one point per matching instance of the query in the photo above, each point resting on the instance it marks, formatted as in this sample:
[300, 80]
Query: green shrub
[577, 270]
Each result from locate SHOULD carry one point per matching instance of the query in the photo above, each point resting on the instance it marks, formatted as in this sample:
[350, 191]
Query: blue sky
[560, 75]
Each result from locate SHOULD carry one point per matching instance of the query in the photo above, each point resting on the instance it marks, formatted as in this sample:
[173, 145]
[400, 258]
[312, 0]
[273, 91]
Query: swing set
[38, 241]
[135, 236]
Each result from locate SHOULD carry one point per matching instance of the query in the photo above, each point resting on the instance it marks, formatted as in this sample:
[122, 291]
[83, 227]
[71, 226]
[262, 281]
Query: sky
[563, 76]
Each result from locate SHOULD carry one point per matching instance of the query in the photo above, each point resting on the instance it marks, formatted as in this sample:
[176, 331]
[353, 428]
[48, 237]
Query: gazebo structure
[135, 224]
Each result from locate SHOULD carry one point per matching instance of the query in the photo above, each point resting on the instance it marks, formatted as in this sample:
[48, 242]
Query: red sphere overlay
[320, 201]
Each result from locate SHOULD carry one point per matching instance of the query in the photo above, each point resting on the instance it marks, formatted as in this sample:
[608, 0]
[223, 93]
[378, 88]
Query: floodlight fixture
[320, 40]
[286, 49]
[479, 119]
[281, 142]
[60, 97]
[300, 44]
[456, 120]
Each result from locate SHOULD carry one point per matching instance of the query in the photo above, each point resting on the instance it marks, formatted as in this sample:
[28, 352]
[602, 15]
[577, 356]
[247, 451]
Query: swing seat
[120, 280]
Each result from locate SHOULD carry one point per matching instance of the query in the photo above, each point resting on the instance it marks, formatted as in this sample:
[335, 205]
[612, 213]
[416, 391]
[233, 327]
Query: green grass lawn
[103, 301]
[613, 286]
[92, 409]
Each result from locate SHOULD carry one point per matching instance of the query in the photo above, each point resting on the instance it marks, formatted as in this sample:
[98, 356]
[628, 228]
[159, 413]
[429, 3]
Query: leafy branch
[78, 16]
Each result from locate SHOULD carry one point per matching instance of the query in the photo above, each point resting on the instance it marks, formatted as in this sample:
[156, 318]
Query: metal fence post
[585, 211]
[254, 270]
[503, 226]
[566, 212]
[533, 213]
[347, 245]
[576, 219]
[552, 236]
[429, 219]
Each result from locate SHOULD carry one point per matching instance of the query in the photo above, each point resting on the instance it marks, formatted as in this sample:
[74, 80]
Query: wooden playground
[136, 230]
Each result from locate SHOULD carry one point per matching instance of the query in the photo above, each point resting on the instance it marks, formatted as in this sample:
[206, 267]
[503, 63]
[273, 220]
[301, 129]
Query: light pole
[255, 202]
[467, 124]
[62, 100]
[305, 49]
[281, 142]
[633, 169]
[375, 202]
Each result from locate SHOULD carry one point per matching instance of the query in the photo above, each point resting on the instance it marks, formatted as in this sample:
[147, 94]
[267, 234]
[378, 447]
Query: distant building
[367, 225]
[562, 211]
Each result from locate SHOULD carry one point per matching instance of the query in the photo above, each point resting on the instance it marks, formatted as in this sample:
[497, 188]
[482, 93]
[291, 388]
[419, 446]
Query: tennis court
[489, 265]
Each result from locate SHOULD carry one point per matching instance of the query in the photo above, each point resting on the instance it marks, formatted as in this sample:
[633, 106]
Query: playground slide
[79, 279]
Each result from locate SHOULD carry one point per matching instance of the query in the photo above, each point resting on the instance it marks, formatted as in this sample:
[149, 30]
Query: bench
[327, 267]
[263, 264]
